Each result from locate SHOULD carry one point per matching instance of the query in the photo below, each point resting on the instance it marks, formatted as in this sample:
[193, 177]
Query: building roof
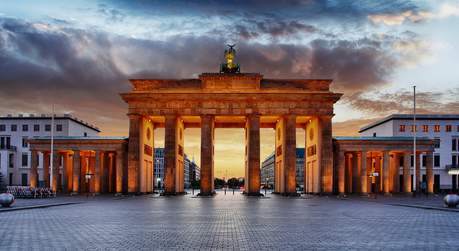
[48, 117]
[410, 116]
[380, 138]
[78, 138]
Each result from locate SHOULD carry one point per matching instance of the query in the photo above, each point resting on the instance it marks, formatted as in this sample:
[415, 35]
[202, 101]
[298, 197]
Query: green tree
[219, 183]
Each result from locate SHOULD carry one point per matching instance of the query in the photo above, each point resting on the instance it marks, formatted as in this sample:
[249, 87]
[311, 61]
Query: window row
[25, 128]
[425, 128]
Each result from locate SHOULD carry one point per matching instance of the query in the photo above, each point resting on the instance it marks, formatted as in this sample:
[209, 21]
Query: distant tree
[235, 182]
[219, 183]
[196, 184]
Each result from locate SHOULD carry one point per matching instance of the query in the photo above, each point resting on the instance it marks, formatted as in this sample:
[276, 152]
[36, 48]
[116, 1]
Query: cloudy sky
[79, 55]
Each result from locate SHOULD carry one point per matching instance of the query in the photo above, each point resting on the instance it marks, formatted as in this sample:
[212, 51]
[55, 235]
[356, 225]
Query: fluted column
[355, 173]
[326, 153]
[46, 163]
[363, 173]
[290, 154]
[429, 172]
[386, 172]
[76, 171]
[341, 172]
[252, 179]
[65, 173]
[406, 172]
[119, 172]
[34, 169]
[134, 148]
[56, 164]
[418, 173]
[97, 172]
[207, 155]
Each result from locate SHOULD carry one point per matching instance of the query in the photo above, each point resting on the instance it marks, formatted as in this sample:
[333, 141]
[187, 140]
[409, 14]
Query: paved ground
[229, 222]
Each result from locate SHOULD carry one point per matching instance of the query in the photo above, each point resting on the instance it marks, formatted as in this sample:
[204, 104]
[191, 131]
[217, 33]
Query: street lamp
[158, 180]
[88, 177]
[266, 184]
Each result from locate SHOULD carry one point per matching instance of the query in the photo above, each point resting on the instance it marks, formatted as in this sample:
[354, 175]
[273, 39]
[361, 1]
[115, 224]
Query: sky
[79, 55]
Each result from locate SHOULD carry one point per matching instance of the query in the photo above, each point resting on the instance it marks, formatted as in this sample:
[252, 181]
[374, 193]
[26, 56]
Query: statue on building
[230, 66]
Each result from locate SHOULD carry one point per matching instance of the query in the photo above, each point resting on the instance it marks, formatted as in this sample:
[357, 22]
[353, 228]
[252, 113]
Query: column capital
[134, 116]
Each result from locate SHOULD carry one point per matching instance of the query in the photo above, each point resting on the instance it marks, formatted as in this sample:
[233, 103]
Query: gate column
[207, 155]
[252, 156]
[173, 156]
[135, 121]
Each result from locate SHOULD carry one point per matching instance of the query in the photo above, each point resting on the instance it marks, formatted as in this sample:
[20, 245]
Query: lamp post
[266, 184]
[158, 180]
[88, 177]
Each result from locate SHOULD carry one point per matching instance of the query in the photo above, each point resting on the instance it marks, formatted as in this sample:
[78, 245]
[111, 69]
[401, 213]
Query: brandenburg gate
[230, 99]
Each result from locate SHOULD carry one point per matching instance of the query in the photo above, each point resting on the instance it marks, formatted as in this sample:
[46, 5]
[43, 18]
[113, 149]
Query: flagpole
[52, 151]
[414, 138]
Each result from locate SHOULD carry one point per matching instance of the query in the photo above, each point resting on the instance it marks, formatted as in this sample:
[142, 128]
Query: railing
[6, 147]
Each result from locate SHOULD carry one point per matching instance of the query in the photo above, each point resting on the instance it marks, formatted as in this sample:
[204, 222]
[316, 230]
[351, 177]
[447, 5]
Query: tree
[235, 182]
[219, 183]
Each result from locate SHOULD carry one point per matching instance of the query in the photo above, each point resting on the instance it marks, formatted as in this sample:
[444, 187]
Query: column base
[172, 193]
[73, 193]
[342, 195]
[207, 194]
[388, 194]
[291, 194]
[363, 194]
[253, 194]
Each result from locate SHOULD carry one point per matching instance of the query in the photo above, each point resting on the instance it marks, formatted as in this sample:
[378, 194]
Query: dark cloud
[384, 104]
[84, 70]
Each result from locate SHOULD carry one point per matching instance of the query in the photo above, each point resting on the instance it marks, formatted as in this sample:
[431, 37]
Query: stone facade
[219, 100]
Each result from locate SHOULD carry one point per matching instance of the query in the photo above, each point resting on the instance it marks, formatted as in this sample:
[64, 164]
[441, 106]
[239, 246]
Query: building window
[24, 142]
[414, 128]
[48, 128]
[36, 128]
[425, 128]
[436, 128]
[448, 128]
[401, 128]
[436, 160]
[2, 128]
[457, 129]
[24, 179]
[11, 160]
[11, 179]
[454, 161]
[412, 160]
[374, 134]
[59, 128]
[437, 142]
[454, 144]
[424, 160]
[14, 128]
[25, 159]
[85, 134]
[25, 128]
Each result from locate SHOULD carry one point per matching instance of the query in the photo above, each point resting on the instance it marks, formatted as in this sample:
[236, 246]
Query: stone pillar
[173, 156]
[97, 172]
[418, 173]
[290, 154]
[119, 172]
[34, 169]
[341, 172]
[386, 172]
[76, 171]
[363, 173]
[56, 164]
[46, 163]
[369, 162]
[111, 173]
[65, 173]
[135, 122]
[406, 172]
[252, 139]
[429, 172]
[207, 155]
[326, 153]
[355, 173]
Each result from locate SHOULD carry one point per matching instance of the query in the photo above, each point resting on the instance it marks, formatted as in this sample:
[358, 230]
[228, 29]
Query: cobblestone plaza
[228, 222]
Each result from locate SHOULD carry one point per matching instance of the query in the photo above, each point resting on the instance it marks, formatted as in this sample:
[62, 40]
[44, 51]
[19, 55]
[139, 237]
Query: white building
[267, 169]
[435, 126]
[14, 149]
[191, 170]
